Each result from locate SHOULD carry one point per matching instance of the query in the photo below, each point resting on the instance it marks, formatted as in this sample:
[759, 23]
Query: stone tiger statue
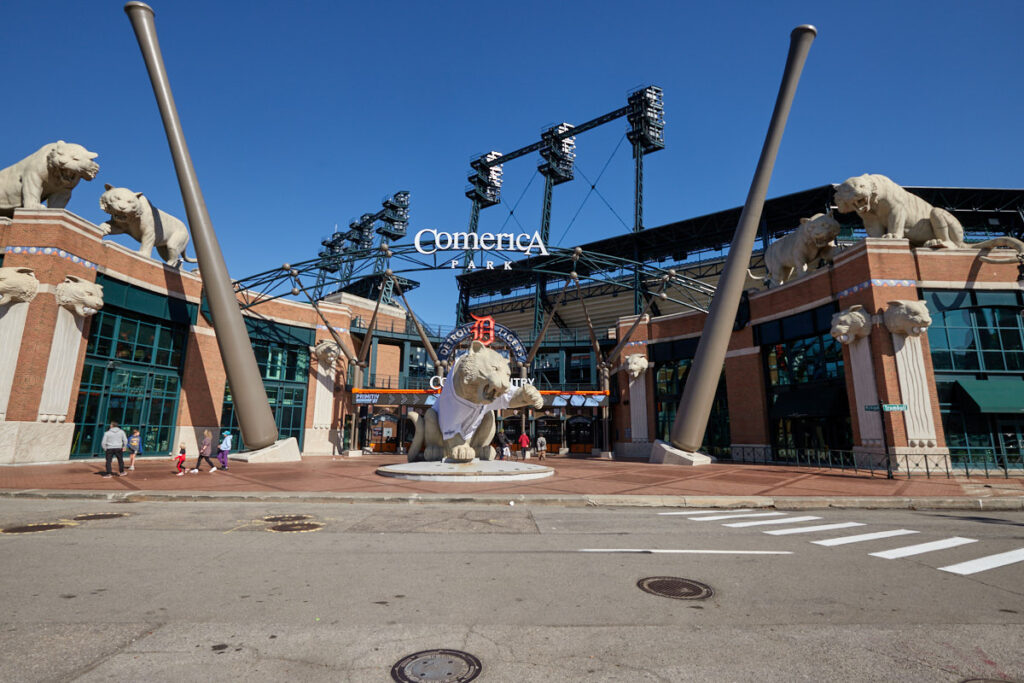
[17, 284]
[890, 211]
[133, 214]
[907, 316]
[792, 255]
[460, 426]
[48, 175]
[81, 296]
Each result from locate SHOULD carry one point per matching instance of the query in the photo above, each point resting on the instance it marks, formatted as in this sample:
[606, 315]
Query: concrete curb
[1008, 503]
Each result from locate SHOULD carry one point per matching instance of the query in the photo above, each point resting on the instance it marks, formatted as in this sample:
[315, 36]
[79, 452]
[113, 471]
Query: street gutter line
[702, 512]
[656, 551]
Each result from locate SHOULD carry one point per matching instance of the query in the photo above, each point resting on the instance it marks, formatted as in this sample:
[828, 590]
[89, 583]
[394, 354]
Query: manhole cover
[277, 519]
[296, 526]
[448, 666]
[674, 587]
[33, 528]
[89, 516]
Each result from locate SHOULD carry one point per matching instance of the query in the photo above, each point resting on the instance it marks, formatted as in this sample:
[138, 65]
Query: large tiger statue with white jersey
[460, 426]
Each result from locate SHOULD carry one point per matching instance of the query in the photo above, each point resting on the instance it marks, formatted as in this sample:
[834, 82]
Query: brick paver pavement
[591, 477]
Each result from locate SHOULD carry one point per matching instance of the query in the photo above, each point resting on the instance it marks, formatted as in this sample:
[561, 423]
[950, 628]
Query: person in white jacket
[113, 444]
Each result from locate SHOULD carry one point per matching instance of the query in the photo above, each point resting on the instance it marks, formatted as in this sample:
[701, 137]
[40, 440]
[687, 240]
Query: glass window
[799, 325]
[990, 298]
[769, 332]
[945, 300]
[812, 359]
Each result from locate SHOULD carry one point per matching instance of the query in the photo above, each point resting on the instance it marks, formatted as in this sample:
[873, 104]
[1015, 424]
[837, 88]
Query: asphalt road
[177, 591]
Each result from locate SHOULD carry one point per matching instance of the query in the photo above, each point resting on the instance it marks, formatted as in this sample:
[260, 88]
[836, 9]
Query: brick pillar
[748, 404]
[44, 337]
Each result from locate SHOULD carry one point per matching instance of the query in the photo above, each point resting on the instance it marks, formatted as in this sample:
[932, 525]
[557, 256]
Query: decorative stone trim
[68, 335]
[876, 283]
[50, 251]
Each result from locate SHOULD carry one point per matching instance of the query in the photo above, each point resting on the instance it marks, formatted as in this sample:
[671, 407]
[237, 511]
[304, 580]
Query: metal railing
[897, 465]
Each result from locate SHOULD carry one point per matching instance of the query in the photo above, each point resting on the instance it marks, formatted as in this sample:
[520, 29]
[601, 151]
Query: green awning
[994, 395]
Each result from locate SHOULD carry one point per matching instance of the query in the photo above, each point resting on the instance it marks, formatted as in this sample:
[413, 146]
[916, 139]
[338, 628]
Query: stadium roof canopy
[981, 211]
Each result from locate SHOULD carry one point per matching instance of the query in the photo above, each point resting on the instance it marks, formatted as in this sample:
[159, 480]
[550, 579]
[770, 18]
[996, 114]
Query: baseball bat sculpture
[255, 418]
[699, 392]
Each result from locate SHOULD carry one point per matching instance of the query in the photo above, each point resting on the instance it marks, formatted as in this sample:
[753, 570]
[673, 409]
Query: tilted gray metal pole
[699, 393]
[254, 416]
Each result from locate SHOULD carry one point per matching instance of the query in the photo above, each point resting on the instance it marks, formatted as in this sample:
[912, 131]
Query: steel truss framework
[607, 272]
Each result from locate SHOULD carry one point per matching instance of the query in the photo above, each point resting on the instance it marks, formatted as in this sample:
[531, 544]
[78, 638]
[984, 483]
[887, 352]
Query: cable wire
[593, 188]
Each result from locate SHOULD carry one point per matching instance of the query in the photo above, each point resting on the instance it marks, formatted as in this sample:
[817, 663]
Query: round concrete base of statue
[466, 473]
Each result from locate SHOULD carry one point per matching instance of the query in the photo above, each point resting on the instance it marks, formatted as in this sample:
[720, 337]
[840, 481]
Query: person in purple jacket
[224, 449]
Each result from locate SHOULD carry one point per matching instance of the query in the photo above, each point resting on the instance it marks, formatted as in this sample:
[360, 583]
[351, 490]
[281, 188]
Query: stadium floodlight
[395, 217]
[647, 119]
[558, 153]
[485, 180]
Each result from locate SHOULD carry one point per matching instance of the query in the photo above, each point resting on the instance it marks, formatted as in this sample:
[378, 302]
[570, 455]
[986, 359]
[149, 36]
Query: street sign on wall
[887, 407]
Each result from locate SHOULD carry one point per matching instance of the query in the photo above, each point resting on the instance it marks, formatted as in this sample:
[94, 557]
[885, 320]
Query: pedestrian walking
[524, 445]
[179, 460]
[113, 444]
[224, 449]
[134, 448]
[204, 452]
[503, 449]
[542, 447]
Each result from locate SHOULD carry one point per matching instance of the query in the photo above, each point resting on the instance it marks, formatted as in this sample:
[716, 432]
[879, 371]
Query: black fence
[902, 465]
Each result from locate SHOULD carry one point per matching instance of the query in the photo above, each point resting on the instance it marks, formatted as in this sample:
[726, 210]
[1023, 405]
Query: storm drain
[296, 526]
[676, 588]
[447, 666]
[33, 528]
[278, 519]
[90, 516]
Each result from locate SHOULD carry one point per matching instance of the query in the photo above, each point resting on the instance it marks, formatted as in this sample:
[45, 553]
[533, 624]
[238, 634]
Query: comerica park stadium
[930, 375]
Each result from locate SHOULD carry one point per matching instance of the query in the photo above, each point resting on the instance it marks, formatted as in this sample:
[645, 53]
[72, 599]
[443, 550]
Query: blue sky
[303, 115]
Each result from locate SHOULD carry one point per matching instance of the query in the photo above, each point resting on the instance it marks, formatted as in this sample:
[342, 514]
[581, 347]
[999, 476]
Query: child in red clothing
[179, 460]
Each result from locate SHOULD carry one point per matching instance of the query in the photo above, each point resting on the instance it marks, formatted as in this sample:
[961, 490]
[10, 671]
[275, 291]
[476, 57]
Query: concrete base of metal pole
[666, 454]
[354, 454]
[285, 450]
[604, 455]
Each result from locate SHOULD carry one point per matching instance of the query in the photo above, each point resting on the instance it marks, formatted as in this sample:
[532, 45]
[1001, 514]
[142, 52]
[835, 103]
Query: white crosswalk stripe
[809, 529]
[785, 520]
[920, 548]
[752, 518]
[701, 512]
[716, 518]
[983, 563]
[843, 540]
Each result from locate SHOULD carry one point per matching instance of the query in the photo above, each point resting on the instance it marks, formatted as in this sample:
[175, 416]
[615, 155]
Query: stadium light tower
[341, 250]
[558, 156]
[647, 133]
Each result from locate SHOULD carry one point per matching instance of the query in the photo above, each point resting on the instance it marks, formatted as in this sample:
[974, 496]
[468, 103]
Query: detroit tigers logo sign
[486, 331]
[482, 329]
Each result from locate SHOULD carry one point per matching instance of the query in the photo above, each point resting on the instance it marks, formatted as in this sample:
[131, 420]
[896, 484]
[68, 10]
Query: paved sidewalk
[575, 482]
